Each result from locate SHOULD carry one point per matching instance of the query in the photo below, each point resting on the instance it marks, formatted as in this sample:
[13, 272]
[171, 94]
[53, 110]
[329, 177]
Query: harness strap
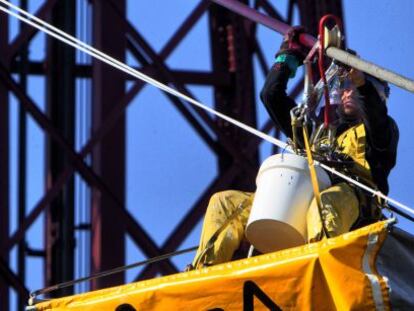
[314, 178]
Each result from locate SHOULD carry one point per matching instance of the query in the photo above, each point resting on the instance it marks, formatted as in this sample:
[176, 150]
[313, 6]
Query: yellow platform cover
[334, 274]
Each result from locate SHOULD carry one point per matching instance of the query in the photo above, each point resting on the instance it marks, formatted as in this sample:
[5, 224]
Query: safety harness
[347, 151]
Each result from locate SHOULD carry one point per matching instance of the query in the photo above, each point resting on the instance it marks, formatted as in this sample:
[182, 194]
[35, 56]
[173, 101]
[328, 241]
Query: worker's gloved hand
[291, 45]
[357, 77]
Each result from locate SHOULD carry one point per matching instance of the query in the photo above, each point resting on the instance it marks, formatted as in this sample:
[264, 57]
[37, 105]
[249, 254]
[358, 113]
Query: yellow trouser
[220, 207]
[340, 210]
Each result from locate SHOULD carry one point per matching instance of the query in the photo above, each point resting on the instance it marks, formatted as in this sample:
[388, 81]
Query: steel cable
[110, 272]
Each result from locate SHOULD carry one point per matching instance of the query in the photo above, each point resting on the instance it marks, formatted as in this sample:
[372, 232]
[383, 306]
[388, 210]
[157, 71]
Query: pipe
[309, 41]
[371, 68]
[254, 15]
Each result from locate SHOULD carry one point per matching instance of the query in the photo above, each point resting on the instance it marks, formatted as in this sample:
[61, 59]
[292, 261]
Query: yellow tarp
[335, 274]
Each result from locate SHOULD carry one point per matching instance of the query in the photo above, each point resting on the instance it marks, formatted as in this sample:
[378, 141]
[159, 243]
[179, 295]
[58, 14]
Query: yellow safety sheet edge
[334, 274]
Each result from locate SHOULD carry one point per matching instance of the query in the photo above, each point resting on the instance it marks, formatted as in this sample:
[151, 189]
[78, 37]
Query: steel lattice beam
[9, 277]
[61, 103]
[102, 131]
[27, 34]
[4, 166]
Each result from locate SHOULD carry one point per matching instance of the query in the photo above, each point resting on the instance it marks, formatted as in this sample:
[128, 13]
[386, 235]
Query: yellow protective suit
[340, 210]
[340, 204]
[221, 206]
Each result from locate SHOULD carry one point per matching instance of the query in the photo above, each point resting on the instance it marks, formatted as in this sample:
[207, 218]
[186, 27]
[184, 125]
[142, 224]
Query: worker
[365, 136]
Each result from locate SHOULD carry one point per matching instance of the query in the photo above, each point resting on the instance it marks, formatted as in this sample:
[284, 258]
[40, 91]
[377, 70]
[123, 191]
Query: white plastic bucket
[284, 192]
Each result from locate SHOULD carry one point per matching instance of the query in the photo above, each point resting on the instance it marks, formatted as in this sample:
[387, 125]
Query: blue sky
[168, 165]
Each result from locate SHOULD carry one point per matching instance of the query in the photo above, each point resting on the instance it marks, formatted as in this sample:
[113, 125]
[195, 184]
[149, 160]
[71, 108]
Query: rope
[110, 272]
[321, 61]
[365, 187]
[74, 42]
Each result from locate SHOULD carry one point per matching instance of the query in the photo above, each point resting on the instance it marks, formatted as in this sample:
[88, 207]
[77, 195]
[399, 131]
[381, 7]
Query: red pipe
[246, 11]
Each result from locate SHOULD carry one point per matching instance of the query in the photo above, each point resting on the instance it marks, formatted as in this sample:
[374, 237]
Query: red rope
[321, 62]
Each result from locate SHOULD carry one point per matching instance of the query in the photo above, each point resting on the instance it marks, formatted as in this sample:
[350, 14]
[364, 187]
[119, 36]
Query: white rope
[80, 45]
[365, 187]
